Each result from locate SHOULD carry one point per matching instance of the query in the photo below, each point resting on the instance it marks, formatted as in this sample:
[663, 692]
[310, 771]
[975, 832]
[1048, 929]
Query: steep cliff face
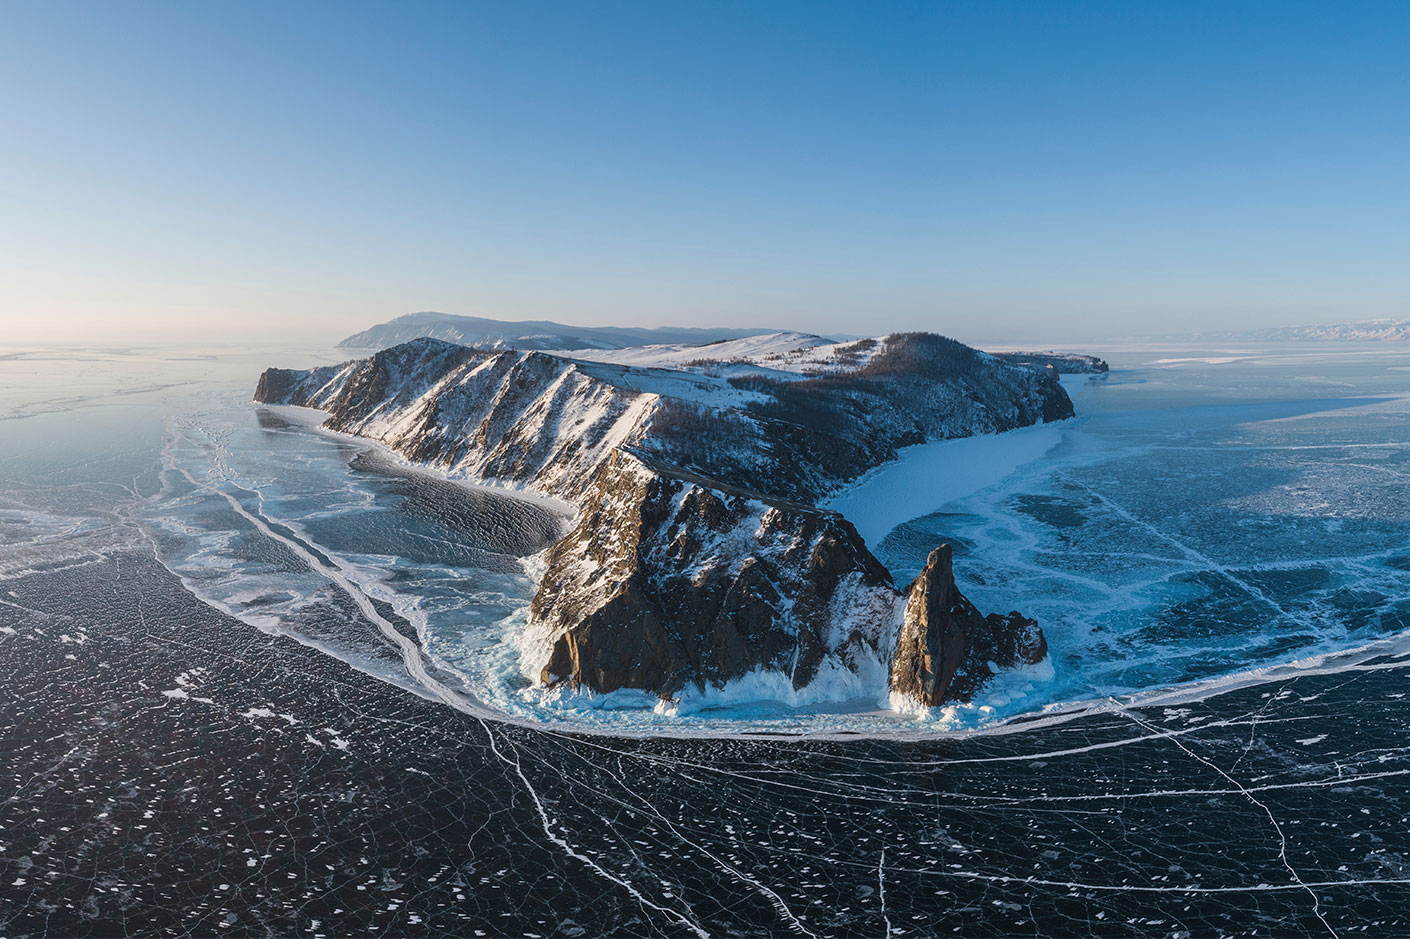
[669, 581]
[698, 556]
[947, 649]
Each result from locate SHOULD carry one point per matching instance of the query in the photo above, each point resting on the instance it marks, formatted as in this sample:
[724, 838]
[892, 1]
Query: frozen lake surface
[260, 676]
[1202, 516]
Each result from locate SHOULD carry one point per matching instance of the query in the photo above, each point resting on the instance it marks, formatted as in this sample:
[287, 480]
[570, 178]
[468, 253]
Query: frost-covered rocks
[946, 649]
[699, 555]
[792, 420]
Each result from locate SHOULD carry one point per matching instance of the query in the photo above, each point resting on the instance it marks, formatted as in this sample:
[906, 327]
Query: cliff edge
[947, 650]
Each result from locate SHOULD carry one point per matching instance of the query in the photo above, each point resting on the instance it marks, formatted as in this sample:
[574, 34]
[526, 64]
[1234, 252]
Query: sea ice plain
[176, 771]
[280, 789]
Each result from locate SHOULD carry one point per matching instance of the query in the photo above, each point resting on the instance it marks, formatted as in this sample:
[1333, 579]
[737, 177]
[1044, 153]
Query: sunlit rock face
[699, 556]
[668, 581]
[517, 418]
[946, 649]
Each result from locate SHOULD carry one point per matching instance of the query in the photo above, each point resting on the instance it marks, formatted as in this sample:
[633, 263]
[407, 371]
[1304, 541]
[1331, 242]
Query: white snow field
[929, 476]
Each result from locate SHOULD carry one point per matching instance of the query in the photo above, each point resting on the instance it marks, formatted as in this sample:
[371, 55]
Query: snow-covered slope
[782, 353]
[817, 418]
[528, 334]
[514, 418]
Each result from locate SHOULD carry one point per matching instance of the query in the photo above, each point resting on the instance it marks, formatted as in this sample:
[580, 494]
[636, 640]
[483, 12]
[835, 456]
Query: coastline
[756, 695]
[926, 477]
[313, 418]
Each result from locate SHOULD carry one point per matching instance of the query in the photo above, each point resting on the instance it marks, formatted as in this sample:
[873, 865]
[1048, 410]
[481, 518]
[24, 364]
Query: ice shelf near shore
[929, 475]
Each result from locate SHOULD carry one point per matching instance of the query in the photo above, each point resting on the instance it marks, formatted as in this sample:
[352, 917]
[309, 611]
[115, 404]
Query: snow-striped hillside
[788, 415]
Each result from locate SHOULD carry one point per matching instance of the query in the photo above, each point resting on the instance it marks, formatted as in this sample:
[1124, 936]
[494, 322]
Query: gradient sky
[996, 171]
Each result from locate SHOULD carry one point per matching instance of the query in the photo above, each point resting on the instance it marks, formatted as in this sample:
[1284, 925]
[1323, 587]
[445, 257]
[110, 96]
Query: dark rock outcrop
[1063, 363]
[947, 649]
[669, 581]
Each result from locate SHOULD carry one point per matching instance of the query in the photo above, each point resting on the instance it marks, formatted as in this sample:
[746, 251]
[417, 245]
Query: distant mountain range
[1381, 330]
[486, 333]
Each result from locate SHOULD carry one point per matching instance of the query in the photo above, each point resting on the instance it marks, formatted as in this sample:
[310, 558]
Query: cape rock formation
[699, 554]
[947, 649]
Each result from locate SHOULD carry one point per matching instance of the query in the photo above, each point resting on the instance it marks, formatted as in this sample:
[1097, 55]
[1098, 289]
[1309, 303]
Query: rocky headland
[1064, 363]
[699, 554]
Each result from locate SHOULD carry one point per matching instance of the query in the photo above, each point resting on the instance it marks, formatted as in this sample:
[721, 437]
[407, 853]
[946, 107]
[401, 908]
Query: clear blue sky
[995, 171]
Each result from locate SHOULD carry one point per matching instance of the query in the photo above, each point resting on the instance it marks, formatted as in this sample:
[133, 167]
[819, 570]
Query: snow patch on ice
[927, 476]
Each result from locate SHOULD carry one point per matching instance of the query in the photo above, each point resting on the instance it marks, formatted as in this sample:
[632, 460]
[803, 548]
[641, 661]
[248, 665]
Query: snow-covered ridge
[512, 418]
[756, 350]
[785, 353]
[789, 415]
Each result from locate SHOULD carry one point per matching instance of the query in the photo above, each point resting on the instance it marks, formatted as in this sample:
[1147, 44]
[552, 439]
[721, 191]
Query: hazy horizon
[999, 173]
[232, 336]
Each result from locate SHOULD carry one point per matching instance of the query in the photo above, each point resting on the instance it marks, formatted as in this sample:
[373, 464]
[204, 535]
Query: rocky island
[699, 554]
